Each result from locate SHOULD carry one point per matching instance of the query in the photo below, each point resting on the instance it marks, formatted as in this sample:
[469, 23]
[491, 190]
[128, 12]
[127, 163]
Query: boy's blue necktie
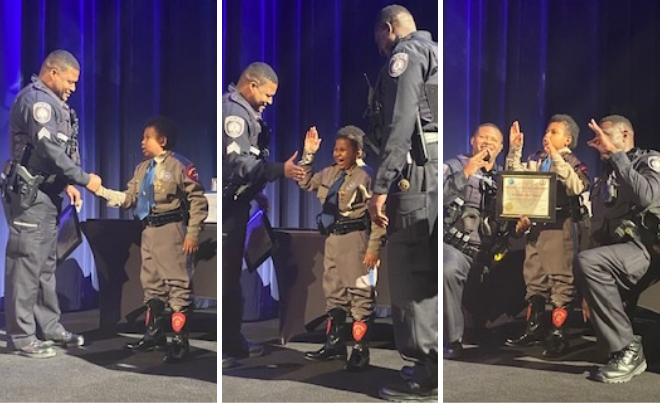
[146, 196]
[331, 202]
[545, 166]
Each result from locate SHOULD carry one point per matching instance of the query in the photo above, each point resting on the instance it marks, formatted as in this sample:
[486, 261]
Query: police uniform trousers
[166, 272]
[549, 256]
[413, 269]
[30, 295]
[455, 270]
[603, 272]
[345, 281]
[234, 225]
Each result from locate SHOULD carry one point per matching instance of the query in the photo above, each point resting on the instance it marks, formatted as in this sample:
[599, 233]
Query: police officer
[244, 174]
[629, 184]
[412, 244]
[45, 163]
[466, 181]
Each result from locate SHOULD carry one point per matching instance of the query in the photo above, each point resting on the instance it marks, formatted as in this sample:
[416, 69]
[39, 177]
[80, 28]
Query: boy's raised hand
[312, 140]
[515, 135]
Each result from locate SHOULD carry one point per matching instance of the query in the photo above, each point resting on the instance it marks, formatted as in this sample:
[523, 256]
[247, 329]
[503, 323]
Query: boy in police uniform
[165, 192]
[351, 250]
[551, 247]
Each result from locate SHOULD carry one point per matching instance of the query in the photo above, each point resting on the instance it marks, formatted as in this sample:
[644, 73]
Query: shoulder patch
[234, 126]
[398, 64]
[191, 172]
[654, 163]
[42, 112]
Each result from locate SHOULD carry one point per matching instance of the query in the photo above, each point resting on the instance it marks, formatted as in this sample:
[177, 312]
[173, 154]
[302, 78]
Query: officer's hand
[94, 183]
[376, 204]
[515, 135]
[476, 162]
[74, 195]
[601, 141]
[190, 246]
[292, 170]
[262, 201]
[548, 147]
[312, 140]
[523, 224]
[370, 261]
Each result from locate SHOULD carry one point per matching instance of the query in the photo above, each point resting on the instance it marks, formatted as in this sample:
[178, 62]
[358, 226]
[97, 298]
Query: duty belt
[161, 219]
[347, 226]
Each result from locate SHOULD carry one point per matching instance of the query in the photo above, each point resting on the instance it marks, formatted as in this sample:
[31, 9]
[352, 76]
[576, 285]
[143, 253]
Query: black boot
[360, 355]
[557, 343]
[334, 347]
[534, 332]
[154, 335]
[180, 347]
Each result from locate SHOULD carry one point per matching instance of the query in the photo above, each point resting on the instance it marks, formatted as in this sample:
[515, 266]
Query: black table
[116, 247]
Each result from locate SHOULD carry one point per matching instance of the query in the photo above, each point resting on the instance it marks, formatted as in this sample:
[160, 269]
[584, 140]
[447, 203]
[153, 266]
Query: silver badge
[234, 126]
[167, 176]
[398, 64]
[42, 111]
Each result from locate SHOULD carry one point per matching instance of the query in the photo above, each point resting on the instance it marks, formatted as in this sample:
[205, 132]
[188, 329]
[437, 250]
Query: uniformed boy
[352, 246]
[169, 200]
[551, 247]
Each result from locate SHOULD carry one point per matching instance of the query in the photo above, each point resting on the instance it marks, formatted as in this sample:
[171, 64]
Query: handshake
[94, 183]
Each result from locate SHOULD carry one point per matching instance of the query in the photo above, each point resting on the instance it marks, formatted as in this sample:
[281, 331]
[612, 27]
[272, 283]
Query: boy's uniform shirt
[353, 194]
[175, 183]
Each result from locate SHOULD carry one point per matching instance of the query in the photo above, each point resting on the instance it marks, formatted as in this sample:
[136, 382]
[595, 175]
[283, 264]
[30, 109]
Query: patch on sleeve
[42, 134]
[654, 163]
[42, 112]
[398, 64]
[191, 172]
[233, 148]
[234, 126]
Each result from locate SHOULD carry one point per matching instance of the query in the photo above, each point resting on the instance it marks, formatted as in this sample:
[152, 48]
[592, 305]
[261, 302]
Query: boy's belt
[347, 226]
[161, 219]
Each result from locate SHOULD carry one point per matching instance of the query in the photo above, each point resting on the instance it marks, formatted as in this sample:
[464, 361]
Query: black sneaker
[66, 339]
[409, 392]
[624, 365]
[249, 350]
[452, 350]
[36, 349]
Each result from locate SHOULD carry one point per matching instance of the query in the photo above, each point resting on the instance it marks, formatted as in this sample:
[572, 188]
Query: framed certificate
[69, 236]
[524, 193]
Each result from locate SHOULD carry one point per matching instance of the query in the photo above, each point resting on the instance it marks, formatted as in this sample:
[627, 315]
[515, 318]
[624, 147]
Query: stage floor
[283, 376]
[492, 372]
[104, 371]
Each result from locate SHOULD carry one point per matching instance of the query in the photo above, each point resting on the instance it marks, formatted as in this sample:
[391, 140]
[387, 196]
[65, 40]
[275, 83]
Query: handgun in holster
[20, 181]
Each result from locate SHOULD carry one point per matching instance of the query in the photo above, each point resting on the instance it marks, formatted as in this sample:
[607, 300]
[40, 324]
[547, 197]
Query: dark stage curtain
[320, 50]
[527, 60]
[138, 58]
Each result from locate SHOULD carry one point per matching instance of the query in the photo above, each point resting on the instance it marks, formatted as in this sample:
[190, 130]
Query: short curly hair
[354, 134]
[164, 127]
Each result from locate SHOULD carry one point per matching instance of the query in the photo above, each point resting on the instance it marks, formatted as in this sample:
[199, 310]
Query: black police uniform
[413, 240]
[630, 184]
[459, 254]
[42, 119]
[243, 164]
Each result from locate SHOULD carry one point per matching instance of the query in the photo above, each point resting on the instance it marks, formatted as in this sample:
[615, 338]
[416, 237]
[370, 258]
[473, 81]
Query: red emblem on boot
[328, 325]
[559, 315]
[146, 318]
[178, 321]
[359, 329]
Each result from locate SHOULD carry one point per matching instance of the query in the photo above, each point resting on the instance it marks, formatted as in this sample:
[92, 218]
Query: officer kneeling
[623, 201]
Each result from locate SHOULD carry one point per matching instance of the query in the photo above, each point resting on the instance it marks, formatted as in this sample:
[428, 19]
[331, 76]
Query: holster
[27, 186]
